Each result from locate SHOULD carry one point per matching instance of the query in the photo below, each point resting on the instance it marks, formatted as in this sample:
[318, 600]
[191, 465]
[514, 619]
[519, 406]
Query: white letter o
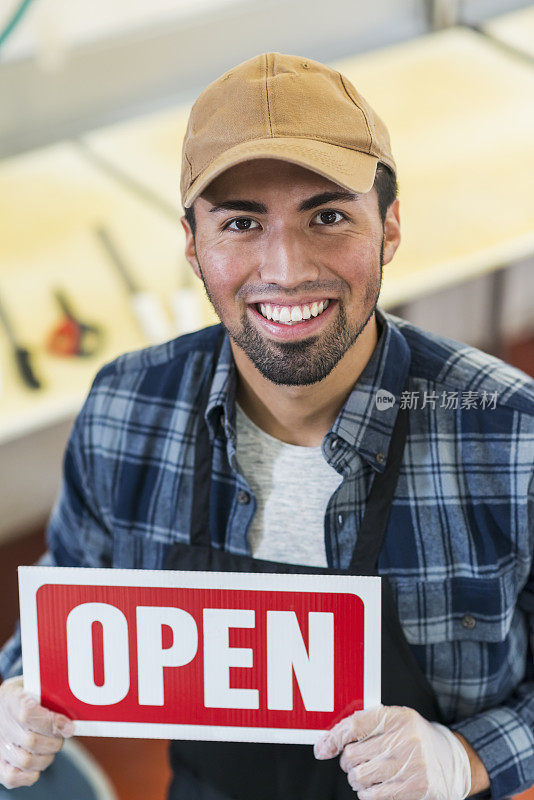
[80, 654]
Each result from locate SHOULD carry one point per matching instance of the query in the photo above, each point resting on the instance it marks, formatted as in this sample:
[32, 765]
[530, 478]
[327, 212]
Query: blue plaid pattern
[459, 545]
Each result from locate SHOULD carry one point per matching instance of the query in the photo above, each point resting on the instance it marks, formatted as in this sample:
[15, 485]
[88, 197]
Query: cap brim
[351, 169]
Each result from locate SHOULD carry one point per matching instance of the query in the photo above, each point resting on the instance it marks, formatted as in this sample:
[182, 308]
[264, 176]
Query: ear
[190, 249]
[392, 235]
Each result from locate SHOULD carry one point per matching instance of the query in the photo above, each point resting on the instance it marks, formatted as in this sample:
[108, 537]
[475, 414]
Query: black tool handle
[25, 368]
[63, 303]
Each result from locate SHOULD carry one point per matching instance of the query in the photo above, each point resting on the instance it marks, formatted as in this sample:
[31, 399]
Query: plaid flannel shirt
[459, 545]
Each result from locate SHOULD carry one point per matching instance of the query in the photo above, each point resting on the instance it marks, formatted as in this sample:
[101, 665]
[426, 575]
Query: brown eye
[329, 217]
[241, 224]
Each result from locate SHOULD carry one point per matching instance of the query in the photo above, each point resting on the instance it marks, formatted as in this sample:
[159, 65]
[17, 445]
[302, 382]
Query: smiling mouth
[292, 315]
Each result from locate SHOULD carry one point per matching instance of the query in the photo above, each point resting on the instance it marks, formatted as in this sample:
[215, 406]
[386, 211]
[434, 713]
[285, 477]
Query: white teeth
[285, 314]
[292, 314]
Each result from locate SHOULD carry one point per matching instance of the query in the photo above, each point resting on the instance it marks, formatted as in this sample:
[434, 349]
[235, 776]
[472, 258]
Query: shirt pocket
[456, 608]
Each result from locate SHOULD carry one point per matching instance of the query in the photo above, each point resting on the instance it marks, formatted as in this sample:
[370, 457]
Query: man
[281, 440]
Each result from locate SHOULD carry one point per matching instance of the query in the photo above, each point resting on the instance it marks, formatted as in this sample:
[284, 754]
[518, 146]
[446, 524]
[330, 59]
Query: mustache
[308, 287]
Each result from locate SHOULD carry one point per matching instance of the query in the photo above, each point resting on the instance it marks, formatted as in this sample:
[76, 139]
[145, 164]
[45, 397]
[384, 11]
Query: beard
[309, 360]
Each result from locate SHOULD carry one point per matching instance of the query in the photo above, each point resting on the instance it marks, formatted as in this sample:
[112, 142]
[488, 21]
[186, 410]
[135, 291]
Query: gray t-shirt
[292, 485]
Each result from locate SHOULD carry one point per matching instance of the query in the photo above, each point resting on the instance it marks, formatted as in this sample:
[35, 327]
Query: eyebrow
[328, 197]
[240, 205]
[312, 202]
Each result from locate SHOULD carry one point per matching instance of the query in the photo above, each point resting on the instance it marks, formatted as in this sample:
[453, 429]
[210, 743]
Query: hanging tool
[22, 356]
[72, 337]
[145, 305]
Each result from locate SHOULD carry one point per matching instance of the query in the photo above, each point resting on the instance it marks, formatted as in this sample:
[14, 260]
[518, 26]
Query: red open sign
[200, 655]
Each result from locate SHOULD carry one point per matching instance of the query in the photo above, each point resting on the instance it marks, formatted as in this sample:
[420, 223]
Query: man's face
[273, 233]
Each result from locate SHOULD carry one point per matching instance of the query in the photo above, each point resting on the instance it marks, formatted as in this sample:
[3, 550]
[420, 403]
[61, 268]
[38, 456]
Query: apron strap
[200, 516]
[374, 524]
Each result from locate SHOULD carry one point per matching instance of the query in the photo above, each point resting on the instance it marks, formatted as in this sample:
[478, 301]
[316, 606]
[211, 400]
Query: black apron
[258, 771]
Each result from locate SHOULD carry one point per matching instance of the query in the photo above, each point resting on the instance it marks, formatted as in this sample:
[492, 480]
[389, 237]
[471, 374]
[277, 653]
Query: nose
[286, 258]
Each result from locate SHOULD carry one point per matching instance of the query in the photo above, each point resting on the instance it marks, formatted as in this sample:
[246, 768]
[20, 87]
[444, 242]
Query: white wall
[70, 23]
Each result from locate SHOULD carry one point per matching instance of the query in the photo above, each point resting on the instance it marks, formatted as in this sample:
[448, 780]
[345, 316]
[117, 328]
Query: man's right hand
[30, 735]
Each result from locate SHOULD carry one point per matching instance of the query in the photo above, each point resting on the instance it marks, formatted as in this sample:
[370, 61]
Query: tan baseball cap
[287, 107]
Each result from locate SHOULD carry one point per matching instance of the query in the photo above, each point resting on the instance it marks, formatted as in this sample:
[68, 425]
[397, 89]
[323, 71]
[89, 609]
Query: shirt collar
[362, 425]
[220, 409]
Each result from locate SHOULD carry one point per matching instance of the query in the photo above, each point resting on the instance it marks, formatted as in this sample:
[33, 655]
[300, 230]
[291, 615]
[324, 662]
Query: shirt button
[340, 519]
[468, 622]
[335, 443]
[243, 498]
[380, 457]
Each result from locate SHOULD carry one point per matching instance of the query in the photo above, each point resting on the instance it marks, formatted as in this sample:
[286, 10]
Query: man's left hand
[392, 752]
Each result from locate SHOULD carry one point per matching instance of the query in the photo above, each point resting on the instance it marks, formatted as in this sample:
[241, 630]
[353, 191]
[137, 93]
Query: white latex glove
[30, 735]
[393, 753]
